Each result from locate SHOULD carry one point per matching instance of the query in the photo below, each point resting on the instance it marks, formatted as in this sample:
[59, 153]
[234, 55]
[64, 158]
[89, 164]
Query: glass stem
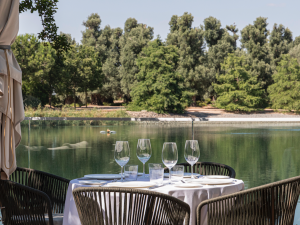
[170, 175]
[192, 177]
[143, 169]
[121, 173]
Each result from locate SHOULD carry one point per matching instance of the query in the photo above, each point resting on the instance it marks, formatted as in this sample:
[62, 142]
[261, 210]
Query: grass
[71, 112]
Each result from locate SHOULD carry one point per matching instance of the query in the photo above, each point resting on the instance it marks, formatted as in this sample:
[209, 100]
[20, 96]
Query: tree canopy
[236, 70]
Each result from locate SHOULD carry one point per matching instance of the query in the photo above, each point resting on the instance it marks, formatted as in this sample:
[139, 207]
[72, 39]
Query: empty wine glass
[122, 154]
[143, 151]
[191, 153]
[169, 156]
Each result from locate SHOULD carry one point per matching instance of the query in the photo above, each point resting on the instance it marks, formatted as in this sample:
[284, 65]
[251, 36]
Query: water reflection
[82, 144]
[259, 155]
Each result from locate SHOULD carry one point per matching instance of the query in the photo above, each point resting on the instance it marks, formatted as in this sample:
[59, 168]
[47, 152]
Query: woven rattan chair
[208, 168]
[128, 206]
[269, 204]
[54, 186]
[24, 205]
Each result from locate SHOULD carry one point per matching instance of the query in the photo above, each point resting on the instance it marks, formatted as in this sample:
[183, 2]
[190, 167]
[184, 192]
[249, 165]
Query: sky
[157, 14]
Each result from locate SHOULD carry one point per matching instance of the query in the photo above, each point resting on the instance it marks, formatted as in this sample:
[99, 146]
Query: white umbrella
[11, 101]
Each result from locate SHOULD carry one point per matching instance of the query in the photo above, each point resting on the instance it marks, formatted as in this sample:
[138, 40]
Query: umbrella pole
[29, 144]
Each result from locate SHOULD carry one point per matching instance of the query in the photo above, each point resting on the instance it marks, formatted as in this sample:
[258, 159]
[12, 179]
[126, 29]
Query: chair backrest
[128, 206]
[54, 186]
[269, 204]
[23, 205]
[208, 168]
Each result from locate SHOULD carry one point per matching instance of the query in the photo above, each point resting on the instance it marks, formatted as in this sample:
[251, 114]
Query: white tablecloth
[192, 196]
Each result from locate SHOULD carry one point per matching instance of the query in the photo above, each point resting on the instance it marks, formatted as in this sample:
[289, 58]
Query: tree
[159, 86]
[220, 43]
[190, 44]
[254, 40]
[46, 10]
[297, 41]
[48, 67]
[82, 70]
[295, 53]
[25, 48]
[280, 42]
[92, 31]
[238, 89]
[89, 69]
[111, 85]
[284, 93]
[136, 37]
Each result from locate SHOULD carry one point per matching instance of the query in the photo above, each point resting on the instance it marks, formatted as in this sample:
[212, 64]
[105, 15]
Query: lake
[258, 154]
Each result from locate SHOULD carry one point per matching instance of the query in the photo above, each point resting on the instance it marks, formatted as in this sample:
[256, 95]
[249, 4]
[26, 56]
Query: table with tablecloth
[192, 196]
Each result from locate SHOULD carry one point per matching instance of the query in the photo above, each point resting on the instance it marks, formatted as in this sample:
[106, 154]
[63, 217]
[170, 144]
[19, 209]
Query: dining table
[192, 196]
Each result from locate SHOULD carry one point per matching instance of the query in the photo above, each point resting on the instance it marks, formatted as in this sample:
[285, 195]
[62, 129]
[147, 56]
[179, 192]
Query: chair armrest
[24, 204]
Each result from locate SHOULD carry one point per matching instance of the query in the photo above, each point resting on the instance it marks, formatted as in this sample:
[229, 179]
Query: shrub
[32, 102]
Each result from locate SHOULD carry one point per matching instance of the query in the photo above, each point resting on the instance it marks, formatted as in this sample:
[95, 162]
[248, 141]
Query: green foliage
[280, 41]
[190, 44]
[136, 37]
[254, 40]
[92, 31]
[238, 90]
[31, 101]
[160, 88]
[69, 111]
[284, 93]
[295, 53]
[220, 43]
[297, 41]
[82, 70]
[46, 10]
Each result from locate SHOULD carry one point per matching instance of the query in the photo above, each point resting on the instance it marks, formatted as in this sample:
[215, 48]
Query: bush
[31, 102]
[201, 104]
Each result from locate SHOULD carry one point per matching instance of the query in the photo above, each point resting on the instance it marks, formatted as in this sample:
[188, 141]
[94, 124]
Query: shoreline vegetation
[123, 112]
[246, 70]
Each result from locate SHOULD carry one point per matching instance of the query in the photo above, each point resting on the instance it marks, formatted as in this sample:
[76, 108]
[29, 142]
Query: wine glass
[191, 153]
[143, 151]
[169, 156]
[122, 154]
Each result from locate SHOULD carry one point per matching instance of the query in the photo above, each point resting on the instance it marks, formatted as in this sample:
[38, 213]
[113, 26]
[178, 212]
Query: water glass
[122, 154]
[191, 153]
[156, 172]
[143, 151]
[131, 172]
[169, 156]
[177, 173]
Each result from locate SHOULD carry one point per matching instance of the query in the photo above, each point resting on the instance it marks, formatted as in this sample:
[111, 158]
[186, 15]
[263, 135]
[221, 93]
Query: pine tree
[297, 41]
[284, 93]
[136, 37]
[280, 42]
[295, 53]
[190, 43]
[220, 43]
[92, 31]
[254, 40]
[238, 89]
[159, 86]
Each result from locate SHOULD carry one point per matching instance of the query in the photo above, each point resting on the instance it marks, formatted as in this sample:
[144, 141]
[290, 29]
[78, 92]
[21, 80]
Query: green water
[259, 155]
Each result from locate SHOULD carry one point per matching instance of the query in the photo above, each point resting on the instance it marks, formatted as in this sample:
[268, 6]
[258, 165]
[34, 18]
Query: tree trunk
[50, 99]
[74, 99]
[85, 98]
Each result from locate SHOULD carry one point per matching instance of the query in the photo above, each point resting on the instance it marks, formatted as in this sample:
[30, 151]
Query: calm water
[259, 155]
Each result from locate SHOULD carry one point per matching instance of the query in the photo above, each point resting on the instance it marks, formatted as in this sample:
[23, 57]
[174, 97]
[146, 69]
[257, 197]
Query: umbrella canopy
[11, 101]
